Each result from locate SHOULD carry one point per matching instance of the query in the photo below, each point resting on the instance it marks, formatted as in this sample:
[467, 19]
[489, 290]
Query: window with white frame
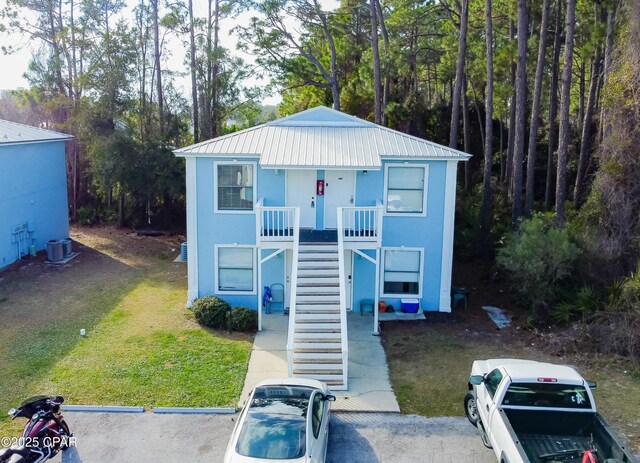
[235, 184]
[406, 192]
[235, 269]
[402, 272]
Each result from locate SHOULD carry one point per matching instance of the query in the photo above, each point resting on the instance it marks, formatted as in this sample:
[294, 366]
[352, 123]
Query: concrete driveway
[355, 437]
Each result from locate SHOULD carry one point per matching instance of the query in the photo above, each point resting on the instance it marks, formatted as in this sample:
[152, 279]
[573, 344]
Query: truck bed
[537, 445]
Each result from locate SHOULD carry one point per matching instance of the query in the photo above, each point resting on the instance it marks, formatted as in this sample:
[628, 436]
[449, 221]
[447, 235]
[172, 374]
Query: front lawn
[143, 347]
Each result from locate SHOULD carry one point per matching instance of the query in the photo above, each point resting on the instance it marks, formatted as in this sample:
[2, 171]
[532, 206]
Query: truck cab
[532, 411]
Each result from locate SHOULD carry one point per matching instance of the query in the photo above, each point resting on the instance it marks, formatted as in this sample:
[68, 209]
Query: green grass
[429, 366]
[142, 346]
[429, 370]
[148, 352]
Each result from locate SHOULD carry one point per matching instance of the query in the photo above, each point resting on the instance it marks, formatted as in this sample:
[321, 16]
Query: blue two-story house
[34, 207]
[336, 209]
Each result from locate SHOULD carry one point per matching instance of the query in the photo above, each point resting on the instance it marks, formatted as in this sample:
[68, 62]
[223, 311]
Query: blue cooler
[409, 305]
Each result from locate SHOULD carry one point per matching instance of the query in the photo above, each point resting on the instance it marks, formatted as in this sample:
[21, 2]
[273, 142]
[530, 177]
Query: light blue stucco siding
[33, 187]
[425, 233]
[233, 228]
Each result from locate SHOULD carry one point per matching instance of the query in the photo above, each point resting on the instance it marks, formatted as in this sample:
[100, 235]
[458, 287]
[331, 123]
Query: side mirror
[12, 412]
[592, 385]
[330, 398]
[476, 379]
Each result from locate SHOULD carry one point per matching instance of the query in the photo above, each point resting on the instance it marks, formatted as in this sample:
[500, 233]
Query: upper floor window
[406, 189]
[235, 184]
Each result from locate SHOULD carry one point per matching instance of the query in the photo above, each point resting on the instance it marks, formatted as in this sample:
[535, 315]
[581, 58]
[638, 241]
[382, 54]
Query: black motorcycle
[45, 434]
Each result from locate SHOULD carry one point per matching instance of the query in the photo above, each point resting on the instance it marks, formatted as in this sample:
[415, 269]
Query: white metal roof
[322, 138]
[13, 133]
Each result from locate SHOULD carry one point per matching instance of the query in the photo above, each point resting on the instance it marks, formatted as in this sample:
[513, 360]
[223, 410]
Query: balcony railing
[362, 223]
[275, 223]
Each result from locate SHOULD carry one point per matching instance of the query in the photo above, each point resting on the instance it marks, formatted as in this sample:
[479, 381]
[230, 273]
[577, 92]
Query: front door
[339, 191]
[301, 192]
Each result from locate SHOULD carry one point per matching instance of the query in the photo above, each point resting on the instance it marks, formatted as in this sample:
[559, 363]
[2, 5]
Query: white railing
[361, 223]
[294, 290]
[343, 300]
[274, 223]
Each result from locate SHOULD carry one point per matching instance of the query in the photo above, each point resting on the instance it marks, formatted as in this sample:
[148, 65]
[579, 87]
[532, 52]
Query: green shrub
[537, 258]
[589, 300]
[211, 312]
[563, 312]
[242, 319]
[624, 295]
[87, 215]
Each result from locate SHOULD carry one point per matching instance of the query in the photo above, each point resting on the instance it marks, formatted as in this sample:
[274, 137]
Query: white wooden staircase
[319, 325]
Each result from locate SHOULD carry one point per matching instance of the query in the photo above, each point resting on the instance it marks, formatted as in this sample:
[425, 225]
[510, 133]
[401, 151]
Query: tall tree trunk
[563, 141]
[581, 91]
[466, 135]
[215, 70]
[478, 114]
[194, 84]
[387, 81]
[485, 211]
[206, 131]
[74, 68]
[535, 112]
[377, 83]
[502, 160]
[462, 53]
[585, 140]
[156, 45]
[608, 56]
[53, 39]
[512, 120]
[553, 106]
[521, 108]
[121, 208]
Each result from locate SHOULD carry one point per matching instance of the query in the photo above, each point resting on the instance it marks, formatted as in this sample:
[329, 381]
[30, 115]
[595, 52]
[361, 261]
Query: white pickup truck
[537, 412]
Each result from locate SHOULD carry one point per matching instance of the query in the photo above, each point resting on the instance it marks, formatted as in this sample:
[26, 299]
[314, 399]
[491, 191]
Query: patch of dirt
[105, 252]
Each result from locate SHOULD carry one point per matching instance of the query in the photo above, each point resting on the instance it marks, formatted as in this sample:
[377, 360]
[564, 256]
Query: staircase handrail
[343, 300]
[294, 290]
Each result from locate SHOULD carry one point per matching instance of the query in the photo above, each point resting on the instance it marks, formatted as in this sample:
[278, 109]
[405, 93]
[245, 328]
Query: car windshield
[276, 423]
[548, 395]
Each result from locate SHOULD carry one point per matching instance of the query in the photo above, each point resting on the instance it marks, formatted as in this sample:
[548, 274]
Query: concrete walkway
[369, 386]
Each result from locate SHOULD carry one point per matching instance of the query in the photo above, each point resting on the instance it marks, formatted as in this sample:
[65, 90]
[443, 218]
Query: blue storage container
[409, 305]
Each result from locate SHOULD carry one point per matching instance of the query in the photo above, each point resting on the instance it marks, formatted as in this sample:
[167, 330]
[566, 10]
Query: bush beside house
[215, 313]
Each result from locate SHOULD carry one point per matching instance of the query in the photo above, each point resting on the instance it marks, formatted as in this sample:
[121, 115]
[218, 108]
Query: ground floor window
[235, 269]
[402, 272]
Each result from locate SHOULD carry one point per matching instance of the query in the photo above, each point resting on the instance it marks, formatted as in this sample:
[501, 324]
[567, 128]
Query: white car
[284, 419]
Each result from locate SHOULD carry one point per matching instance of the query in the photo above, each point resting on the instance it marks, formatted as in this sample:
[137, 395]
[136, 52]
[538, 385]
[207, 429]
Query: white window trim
[383, 251]
[215, 271]
[424, 192]
[215, 185]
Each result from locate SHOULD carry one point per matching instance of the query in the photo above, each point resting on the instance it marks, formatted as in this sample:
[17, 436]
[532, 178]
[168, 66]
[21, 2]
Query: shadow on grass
[43, 314]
